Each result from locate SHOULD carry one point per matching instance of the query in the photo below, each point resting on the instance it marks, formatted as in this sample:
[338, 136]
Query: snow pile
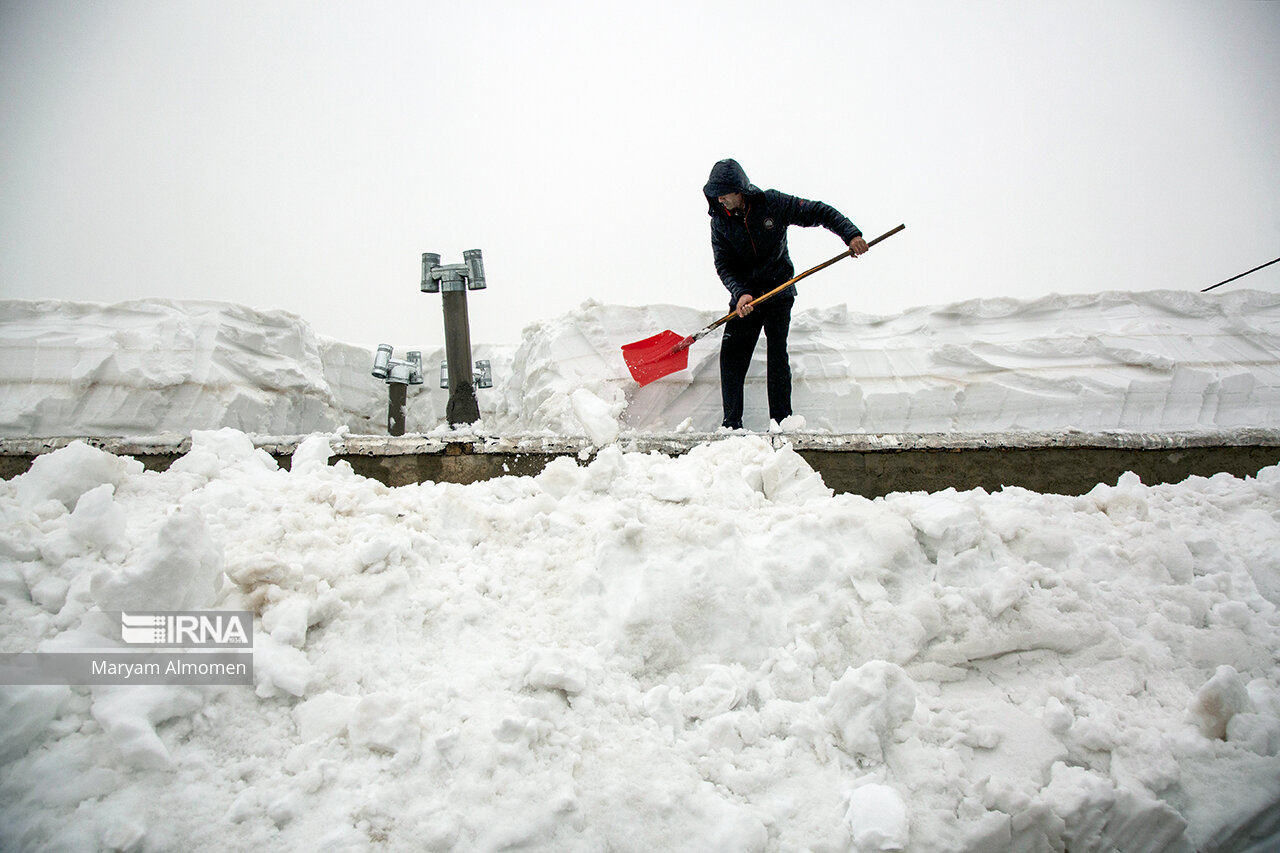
[1157, 361]
[155, 366]
[568, 377]
[708, 652]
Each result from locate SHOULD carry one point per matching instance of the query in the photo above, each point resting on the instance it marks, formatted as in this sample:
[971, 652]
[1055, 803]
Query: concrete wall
[1058, 470]
[868, 465]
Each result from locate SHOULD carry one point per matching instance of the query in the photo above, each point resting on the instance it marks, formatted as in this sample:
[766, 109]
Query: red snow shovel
[667, 352]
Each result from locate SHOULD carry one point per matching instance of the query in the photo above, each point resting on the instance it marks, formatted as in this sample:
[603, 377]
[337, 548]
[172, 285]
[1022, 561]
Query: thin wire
[1242, 275]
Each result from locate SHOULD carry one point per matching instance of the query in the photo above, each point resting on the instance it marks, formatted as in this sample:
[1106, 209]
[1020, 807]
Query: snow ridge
[1151, 361]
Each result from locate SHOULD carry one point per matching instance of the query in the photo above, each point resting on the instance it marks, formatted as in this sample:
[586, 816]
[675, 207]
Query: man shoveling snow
[749, 242]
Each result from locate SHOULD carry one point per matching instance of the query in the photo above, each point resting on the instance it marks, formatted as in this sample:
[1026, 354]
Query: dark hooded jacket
[750, 247]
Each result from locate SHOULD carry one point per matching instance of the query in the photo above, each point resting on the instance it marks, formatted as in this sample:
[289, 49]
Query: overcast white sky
[303, 155]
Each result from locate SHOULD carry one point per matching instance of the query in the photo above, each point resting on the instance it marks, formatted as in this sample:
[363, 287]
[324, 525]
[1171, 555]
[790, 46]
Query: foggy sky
[303, 155]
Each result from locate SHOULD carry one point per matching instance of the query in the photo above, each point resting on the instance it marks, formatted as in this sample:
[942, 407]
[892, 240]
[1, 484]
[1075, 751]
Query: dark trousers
[736, 348]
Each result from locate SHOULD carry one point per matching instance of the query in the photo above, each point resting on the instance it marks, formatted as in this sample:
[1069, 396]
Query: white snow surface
[710, 652]
[707, 652]
[1142, 362]
[164, 368]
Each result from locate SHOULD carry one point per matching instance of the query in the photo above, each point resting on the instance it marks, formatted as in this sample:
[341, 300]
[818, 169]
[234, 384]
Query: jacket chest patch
[768, 223]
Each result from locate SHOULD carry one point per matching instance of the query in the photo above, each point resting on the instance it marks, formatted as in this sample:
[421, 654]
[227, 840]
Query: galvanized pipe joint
[453, 281]
[398, 375]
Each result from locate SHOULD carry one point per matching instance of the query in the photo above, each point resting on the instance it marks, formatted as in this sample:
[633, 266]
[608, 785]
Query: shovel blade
[656, 357]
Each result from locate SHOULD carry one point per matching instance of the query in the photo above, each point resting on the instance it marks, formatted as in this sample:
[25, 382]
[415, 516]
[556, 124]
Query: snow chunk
[555, 669]
[787, 478]
[719, 693]
[867, 704]
[324, 716]
[1218, 700]
[382, 722]
[69, 472]
[287, 619]
[215, 451]
[26, 710]
[313, 454]
[598, 418]
[876, 817]
[98, 522]
[179, 570]
[130, 714]
[278, 667]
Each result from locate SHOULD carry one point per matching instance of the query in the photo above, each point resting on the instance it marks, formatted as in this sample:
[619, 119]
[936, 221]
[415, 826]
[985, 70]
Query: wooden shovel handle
[822, 266]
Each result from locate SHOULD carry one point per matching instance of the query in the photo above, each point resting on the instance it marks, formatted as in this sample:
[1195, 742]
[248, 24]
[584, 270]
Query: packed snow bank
[1140, 362]
[155, 367]
[707, 652]
[1156, 361]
